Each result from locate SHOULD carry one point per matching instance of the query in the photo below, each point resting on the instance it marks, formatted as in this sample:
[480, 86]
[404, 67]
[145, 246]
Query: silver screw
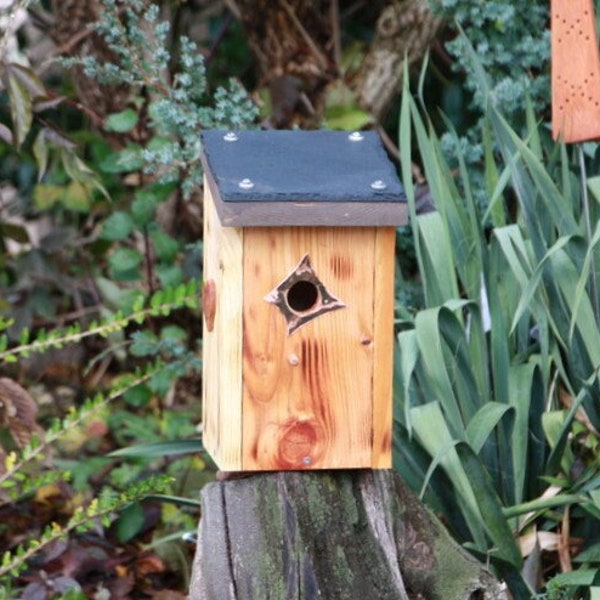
[378, 184]
[246, 184]
[356, 136]
[307, 460]
[230, 136]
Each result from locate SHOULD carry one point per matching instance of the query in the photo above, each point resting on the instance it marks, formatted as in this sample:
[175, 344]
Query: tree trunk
[340, 535]
[291, 41]
[404, 29]
[297, 48]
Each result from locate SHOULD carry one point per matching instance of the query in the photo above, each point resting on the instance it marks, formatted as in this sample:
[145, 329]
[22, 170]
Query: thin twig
[336, 34]
[393, 151]
[388, 143]
[321, 58]
[74, 41]
[223, 30]
[234, 9]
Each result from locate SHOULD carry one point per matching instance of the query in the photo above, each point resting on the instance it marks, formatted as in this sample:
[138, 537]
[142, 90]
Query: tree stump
[339, 535]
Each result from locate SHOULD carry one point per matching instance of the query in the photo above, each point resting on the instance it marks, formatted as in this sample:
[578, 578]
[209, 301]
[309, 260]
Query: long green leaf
[567, 277]
[580, 290]
[20, 109]
[438, 271]
[432, 431]
[495, 182]
[490, 508]
[407, 361]
[159, 449]
[521, 381]
[431, 348]
[483, 423]
[535, 279]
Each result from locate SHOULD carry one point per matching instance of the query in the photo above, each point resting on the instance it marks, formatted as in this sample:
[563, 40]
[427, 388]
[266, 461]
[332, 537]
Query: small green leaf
[138, 396]
[130, 522]
[347, 118]
[161, 382]
[143, 208]
[46, 196]
[169, 275]
[165, 246]
[342, 110]
[173, 332]
[125, 259]
[29, 79]
[75, 167]
[130, 158]
[20, 109]
[117, 227]
[158, 142]
[121, 122]
[145, 343]
[40, 152]
[77, 197]
[127, 160]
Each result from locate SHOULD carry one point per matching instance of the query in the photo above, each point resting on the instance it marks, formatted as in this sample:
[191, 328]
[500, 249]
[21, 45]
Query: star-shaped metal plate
[302, 296]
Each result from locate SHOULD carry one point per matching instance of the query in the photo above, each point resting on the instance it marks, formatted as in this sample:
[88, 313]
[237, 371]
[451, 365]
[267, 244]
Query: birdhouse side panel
[222, 340]
[383, 360]
[308, 347]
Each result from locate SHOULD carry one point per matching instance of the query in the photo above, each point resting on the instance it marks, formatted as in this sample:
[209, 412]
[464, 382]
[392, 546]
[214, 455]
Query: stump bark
[339, 535]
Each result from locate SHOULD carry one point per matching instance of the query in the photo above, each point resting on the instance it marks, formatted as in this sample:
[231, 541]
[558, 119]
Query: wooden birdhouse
[298, 299]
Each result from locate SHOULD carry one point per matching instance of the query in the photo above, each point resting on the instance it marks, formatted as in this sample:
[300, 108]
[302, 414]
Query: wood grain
[222, 347]
[307, 397]
[575, 71]
[383, 359]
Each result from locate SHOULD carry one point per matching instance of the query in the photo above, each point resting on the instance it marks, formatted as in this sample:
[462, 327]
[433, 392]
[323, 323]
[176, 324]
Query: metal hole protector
[325, 302]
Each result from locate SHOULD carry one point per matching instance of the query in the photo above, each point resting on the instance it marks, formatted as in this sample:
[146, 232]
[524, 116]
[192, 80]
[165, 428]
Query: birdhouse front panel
[298, 337]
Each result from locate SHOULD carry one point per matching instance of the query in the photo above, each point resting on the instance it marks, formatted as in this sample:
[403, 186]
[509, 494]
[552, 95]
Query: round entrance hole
[302, 296]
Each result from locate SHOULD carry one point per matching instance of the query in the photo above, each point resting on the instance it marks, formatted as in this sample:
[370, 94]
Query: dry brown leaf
[546, 540]
[564, 550]
[18, 411]
[147, 564]
[580, 415]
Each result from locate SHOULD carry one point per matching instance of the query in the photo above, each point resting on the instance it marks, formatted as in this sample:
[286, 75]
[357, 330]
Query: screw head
[356, 136]
[307, 460]
[230, 136]
[246, 184]
[378, 184]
